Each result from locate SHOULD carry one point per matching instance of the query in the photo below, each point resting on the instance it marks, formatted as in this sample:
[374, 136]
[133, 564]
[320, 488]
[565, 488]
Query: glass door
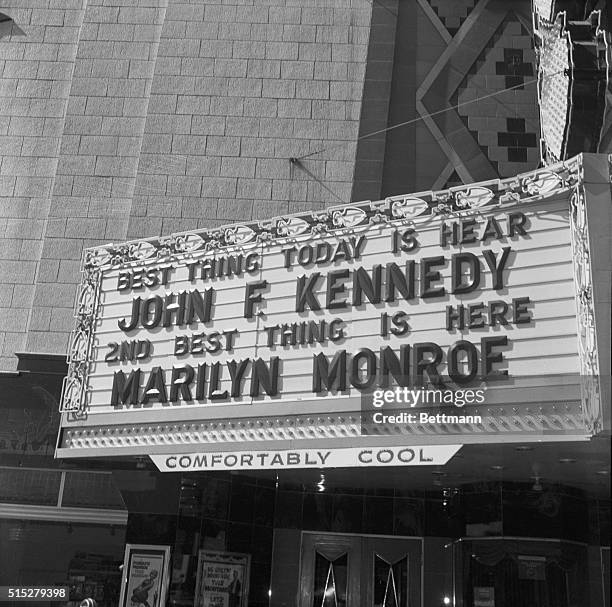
[330, 570]
[391, 571]
[358, 571]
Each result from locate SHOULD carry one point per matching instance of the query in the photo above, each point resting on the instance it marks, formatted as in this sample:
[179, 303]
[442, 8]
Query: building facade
[127, 120]
[134, 120]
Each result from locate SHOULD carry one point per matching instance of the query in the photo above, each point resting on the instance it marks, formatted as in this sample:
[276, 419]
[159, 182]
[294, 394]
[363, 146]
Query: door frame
[420, 539]
[605, 586]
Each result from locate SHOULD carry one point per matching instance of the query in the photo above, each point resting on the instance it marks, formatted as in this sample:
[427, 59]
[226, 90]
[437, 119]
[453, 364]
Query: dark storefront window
[30, 486]
[87, 489]
[486, 544]
[84, 557]
[525, 573]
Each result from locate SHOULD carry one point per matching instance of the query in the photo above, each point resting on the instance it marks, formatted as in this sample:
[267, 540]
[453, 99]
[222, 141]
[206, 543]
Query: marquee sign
[278, 332]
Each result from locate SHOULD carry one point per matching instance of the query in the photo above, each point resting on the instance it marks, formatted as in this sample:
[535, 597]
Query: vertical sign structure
[573, 51]
[279, 333]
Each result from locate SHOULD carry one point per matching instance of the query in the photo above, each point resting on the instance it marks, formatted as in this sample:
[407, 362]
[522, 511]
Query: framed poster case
[144, 580]
[222, 579]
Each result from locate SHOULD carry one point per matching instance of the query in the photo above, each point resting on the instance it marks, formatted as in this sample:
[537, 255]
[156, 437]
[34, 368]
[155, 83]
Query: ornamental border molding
[585, 308]
[459, 201]
[412, 209]
[554, 419]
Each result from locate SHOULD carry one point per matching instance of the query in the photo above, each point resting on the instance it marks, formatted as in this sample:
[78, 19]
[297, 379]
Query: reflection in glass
[390, 582]
[330, 581]
[529, 581]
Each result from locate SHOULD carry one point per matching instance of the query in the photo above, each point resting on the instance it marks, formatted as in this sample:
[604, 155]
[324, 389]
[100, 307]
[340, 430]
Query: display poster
[484, 596]
[145, 576]
[222, 579]
[532, 568]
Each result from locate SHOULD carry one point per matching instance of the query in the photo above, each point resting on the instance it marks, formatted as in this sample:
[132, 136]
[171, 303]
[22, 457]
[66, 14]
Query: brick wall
[37, 49]
[238, 89]
[94, 185]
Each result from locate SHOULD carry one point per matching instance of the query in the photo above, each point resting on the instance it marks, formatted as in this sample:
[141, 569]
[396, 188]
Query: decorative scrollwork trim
[585, 311]
[420, 207]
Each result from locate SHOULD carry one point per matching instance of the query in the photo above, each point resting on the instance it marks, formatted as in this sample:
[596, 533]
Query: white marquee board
[513, 243]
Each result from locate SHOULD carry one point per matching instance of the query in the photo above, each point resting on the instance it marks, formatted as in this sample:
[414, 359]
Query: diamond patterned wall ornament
[493, 51]
[452, 14]
[487, 120]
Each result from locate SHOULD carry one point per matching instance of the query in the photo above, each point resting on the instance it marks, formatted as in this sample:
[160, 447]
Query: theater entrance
[340, 570]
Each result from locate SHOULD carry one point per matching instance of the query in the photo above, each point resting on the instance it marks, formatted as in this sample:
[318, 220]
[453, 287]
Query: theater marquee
[268, 335]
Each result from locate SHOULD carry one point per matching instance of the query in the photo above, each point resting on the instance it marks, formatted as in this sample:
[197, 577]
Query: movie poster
[484, 596]
[145, 576]
[222, 579]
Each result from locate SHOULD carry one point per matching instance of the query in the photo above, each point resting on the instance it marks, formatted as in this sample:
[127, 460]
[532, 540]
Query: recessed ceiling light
[497, 467]
[567, 460]
[603, 472]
